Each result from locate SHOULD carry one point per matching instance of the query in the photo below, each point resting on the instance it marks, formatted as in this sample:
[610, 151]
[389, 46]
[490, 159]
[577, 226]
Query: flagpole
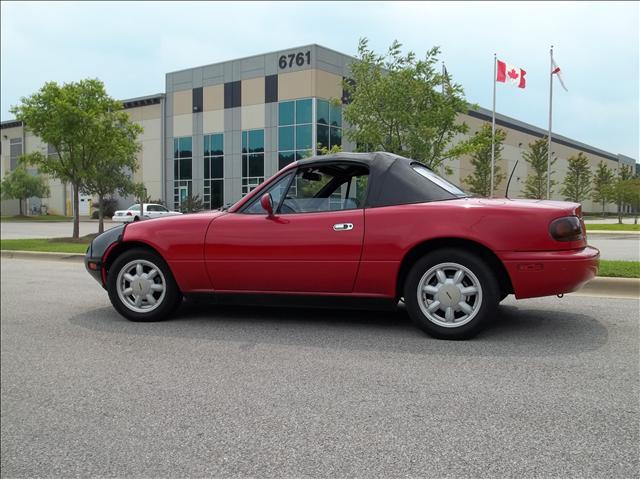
[550, 116]
[493, 126]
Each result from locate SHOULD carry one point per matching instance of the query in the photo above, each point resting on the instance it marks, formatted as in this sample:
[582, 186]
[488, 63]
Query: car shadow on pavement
[516, 330]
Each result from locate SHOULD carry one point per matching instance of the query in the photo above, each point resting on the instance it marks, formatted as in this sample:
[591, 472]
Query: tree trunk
[20, 206]
[76, 211]
[100, 214]
[619, 213]
[603, 213]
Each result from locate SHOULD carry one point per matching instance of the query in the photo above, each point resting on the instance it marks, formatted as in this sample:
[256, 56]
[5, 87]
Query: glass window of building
[295, 131]
[182, 169]
[252, 159]
[328, 124]
[15, 152]
[213, 171]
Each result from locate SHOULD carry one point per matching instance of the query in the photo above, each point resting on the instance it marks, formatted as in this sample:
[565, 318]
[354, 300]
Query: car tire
[135, 218]
[146, 271]
[451, 294]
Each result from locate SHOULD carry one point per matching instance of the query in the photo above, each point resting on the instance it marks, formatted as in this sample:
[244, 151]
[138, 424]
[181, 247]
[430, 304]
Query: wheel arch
[421, 249]
[125, 246]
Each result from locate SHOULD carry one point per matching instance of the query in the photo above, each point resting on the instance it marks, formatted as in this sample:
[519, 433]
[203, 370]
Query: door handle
[343, 226]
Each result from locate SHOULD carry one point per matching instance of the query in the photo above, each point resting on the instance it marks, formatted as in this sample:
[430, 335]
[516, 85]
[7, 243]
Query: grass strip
[619, 269]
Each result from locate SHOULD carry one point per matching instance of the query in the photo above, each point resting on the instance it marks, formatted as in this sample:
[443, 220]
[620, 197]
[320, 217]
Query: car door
[151, 211]
[311, 245]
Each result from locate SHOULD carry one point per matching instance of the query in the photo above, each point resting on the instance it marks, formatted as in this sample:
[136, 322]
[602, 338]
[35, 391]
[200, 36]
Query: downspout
[163, 159]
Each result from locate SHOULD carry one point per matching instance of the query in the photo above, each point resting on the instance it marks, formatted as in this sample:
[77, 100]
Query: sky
[132, 45]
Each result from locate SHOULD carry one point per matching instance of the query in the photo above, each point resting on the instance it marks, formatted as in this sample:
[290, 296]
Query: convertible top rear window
[441, 182]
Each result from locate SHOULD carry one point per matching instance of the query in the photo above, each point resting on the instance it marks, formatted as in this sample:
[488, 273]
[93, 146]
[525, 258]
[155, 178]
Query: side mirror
[267, 204]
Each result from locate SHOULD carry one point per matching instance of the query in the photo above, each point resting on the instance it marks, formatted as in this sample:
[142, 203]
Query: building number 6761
[300, 58]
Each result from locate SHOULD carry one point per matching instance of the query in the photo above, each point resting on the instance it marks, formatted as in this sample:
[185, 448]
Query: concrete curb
[599, 286]
[79, 257]
[612, 232]
[611, 288]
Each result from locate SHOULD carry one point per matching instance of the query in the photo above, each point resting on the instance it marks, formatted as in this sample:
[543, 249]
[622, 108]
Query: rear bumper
[547, 273]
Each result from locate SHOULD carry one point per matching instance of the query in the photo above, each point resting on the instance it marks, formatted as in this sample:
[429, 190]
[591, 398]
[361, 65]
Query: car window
[277, 190]
[134, 207]
[161, 208]
[331, 187]
[151, 208]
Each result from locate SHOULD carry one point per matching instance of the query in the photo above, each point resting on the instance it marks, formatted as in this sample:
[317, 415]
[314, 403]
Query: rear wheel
[141, 286]
[451, 294]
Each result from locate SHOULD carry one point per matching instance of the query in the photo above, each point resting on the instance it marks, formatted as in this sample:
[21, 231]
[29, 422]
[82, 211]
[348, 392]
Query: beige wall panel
[213, 97]
[57, 199]
[152, 129]
[151, 112]
[151, 167]
[135, 114]
[183, 125]
[295, 85]
[327, 85]
[252, 117]
[182, 102]
[253, 91]
[213, 121]
[33, 143]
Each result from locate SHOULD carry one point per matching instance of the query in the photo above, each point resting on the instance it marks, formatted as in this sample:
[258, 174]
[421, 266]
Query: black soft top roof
[392, 180]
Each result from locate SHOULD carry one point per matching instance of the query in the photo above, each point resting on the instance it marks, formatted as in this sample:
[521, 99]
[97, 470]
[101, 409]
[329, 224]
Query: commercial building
[219, 130]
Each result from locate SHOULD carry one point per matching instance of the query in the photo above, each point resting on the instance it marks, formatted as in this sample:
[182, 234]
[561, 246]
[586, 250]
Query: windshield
[441, 182]
[134, 207]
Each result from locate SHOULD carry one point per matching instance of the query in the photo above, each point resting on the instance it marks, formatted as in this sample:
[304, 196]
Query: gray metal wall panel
[197, 77]
[235, 70]
[197, 167]
[228, 72]
[213, 81]
[271, 64]
[184, 76]
[213, 71]
[182, 86]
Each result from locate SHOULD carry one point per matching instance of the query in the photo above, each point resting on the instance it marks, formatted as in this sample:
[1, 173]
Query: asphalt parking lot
[550, 389]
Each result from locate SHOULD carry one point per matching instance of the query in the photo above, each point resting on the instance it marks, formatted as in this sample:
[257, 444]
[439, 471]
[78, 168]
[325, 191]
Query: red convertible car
[370, 226]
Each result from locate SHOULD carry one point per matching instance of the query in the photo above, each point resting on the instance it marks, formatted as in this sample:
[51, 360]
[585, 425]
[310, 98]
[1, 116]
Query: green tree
[397, 105]
[115, 159]
[480, 180]
[19, 184]
[323, 150]
[602, 182]
[191, 204]
[622, 190]
[577, 182]
[65, 117]
[535, 186]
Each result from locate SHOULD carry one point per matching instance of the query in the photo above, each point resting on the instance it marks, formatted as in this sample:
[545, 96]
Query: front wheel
[451, 294]
[141, 286]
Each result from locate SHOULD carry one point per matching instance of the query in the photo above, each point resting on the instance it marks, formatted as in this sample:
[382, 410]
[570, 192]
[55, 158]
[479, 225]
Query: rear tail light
[128, 213]
[568, 228]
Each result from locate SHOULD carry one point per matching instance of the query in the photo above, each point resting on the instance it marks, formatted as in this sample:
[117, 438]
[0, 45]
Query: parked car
[360, 226]
[151, 210]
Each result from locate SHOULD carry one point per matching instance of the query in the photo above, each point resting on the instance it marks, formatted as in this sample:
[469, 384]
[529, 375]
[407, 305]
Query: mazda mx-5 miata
[365, 226]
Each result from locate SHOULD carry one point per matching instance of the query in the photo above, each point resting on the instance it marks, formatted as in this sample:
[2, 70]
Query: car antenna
[506, 193]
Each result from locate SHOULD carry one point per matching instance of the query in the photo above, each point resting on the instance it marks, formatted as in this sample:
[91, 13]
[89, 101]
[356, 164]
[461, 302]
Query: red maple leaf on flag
[512, 73]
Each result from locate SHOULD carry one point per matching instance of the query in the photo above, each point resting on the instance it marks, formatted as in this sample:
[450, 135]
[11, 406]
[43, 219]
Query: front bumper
[96, 255]
[547, 273]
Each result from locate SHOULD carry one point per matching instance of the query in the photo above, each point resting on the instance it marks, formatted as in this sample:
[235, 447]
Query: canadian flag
[511, 74]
